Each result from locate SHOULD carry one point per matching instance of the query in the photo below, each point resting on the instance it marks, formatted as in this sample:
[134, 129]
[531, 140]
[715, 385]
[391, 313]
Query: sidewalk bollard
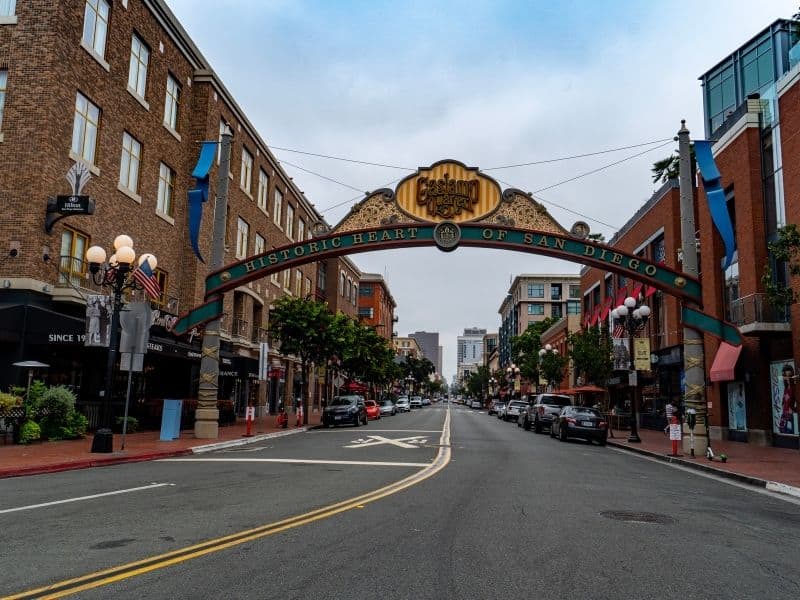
[299, 415]
[249, 417]
[675, 434]
[282, 421]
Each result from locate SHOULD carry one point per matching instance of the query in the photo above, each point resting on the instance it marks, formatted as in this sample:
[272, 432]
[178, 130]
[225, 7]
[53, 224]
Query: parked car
[373, 410]
[345, 410]
[580, 422]
[501, 409]
[426, 402]
[403, 404]
[416, 402]
[493, 406]
[476, 403]
[513, 410]
[542, 409]
[388, 408]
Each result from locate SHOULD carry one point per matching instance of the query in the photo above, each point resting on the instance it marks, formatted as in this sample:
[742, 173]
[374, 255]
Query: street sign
[131, 362]
[74, 205]
[263, 358]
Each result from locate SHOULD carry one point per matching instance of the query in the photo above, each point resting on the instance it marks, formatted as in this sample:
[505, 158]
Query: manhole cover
[637, 517]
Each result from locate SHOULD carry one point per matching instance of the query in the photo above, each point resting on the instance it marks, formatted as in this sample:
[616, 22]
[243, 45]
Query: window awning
[724, 363]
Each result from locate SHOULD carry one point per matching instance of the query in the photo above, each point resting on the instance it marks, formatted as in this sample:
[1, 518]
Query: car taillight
[602, 424]
[541, 410]
[571, 421]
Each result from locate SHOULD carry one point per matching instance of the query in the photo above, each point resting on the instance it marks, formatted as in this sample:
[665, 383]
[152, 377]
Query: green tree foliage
[525, 349]
[552, 367]
[59, 418]
[785, 251]
[669, 168]
[478, 382]
[590, 351]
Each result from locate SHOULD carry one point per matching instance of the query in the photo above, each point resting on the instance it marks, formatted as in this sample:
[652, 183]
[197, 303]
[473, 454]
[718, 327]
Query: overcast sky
[489, 83]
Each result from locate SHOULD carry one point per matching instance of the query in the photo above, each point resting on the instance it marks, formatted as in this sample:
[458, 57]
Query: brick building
[121, 88]
[376, 304]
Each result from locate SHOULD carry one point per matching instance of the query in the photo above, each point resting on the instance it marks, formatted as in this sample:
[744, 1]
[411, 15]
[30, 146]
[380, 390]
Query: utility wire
[350, 160]
[347, 185]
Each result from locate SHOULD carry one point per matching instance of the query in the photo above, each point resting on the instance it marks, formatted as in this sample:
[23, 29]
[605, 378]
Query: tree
[525, 349]
[590, 351]
[478, 382]
[303, 328]
[669, 168]
[552, 367]
[785, 252]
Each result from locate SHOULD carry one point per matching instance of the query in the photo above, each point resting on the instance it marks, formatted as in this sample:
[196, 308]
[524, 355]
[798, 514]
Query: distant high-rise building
[470, 352]
[429, 343]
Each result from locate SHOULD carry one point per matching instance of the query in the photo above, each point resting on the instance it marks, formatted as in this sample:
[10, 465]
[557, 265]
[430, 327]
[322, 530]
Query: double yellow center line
[154, 563]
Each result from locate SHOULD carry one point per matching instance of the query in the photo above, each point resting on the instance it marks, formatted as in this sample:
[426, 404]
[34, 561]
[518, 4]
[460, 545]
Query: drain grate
[638, 517]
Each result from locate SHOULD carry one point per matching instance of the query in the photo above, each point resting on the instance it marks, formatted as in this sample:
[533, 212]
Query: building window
[95, 25]
[573, 307]
[322, 277]
[308, 287]
[556, 311]
[260, 244]
[137, 74]
[246, 176]
[555, 291]
[166, 182]
[349, 290]
[3, 87]
[574, 291]
[367, 313]
[290, 221]
[365, 290]
[277, 207]
[536, 308]
[242, 232]
[8, 8]
[223, 127]
[172, 103]
[263, 188]
[298, 283]
[535, 290]
[287, 280]
[721, 90]
[72, 267]
[757, 67]
[301, 230]
[129, 163]
[341, 283]
[84, 129]
[273, 277]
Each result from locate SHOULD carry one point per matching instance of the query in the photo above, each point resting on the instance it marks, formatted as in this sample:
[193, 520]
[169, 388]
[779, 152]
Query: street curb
[772, 486]
[90, 463]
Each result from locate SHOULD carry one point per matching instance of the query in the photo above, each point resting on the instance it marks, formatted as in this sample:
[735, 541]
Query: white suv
[403, 404]
[416, 401]
[514, 409]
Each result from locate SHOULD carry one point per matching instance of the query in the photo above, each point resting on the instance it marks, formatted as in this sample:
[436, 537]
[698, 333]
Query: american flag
[619, 331]
[144, 276]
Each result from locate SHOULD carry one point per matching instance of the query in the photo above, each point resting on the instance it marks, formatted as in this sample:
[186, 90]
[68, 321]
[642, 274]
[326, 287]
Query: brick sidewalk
[769, 464]
[48, 457]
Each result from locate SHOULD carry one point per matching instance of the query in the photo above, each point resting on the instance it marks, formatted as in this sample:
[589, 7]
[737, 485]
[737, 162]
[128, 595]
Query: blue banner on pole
[716, 198]
[199, 195]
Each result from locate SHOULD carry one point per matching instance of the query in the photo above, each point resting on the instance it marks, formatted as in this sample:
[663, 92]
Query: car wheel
[526, 424]
[562, 435]
[552, 432]
[537, 426]
[357, 421]
[602, 442]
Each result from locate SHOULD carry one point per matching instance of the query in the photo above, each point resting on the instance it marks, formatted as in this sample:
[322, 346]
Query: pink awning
[725, 362]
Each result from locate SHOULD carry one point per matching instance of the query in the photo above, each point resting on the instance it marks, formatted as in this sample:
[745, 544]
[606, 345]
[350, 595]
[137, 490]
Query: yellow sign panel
[641, 354]
[448, 191]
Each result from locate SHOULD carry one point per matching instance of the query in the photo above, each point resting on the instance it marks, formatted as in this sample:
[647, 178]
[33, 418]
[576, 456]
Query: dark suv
[542, 409]
[345, 410]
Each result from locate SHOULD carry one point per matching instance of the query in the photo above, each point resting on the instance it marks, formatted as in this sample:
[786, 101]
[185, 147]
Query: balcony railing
[240, 329]
[754, 313]
[260, 334]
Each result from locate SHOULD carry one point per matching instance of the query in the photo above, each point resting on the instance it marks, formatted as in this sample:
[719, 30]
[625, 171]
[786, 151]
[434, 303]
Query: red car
[373, 410]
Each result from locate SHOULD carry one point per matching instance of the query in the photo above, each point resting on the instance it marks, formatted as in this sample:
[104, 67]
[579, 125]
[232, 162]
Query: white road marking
[386, 430]
[93, 496]
[376, 440]
[308, 461]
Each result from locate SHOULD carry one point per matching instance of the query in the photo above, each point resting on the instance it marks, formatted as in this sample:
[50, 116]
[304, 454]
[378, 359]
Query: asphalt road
[491, 511]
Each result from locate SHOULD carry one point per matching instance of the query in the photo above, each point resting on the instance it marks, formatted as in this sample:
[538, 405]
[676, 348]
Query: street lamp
[409, 384]
[632, 320]
[492, 384]
[548, 349]
[512, 373]
[116, 274]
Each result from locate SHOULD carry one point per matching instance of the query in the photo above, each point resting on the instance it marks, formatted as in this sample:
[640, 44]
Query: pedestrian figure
[670, 410]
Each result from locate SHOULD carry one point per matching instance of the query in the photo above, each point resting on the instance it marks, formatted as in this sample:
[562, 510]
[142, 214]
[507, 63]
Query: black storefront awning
[39, 325]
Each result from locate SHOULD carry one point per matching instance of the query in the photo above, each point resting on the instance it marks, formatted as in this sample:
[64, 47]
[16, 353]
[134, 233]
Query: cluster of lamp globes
[628, 306]
[548, 348]
[124, 255]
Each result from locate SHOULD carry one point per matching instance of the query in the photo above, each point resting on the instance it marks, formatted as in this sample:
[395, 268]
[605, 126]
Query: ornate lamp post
[116, 274]
[548, 349]
[512, 373]
[632, 319]
[492, 386]
[409, 384]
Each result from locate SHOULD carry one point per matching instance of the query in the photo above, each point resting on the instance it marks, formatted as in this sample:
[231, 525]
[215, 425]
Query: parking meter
[691, 421]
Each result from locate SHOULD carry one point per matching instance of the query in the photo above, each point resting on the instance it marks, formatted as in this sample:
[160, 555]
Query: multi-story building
[122, 89]
[557, 337]
[533, 298]
[429, 343]
[375, 304]
[470, 352]
[653, 232]
[338, 284]
[408, 347]
[491, 357]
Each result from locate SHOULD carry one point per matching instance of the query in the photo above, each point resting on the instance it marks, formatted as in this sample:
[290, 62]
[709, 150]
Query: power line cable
[347, 185]
[350, 160]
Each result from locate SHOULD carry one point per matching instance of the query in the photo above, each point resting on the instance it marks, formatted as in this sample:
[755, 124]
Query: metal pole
[127, 401]
[103, 440]
[206, 420]
[634, 436]
[693, 358]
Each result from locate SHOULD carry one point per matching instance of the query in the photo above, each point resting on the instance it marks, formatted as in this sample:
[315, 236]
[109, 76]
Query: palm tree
[669, 168]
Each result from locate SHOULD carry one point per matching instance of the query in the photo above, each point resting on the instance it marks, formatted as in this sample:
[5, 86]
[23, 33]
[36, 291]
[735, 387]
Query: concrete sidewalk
[776, 469]
[49, 457]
